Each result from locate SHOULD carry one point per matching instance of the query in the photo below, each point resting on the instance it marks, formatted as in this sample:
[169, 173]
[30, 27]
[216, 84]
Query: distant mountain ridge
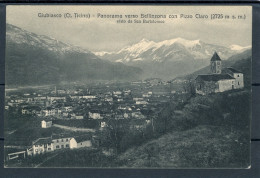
[170, 50]
[170, 58]
[33, 59]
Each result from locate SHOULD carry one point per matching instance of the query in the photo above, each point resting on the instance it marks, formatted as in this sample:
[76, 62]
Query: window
[57, 141]
[57, 146]
[81, 143]
[61, 140]
[49, 148]
[237, 75]
[36, 145]
[67, 139]
[238, 83]
[67, 145]
[62, 146]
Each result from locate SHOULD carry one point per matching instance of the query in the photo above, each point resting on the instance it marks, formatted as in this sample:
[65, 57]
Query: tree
[114, 132]
[189, 87]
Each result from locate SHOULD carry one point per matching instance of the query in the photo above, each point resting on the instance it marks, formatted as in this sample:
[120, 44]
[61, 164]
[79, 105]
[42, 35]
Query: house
[42, 145]
[103, 124]
[49, 112]
[237, 75]
[117, 92]
[79, 117]
[137, 99]
[219, 80]
[109, 99]
[61, 143]
[89, 97]
[80, 142]
[94, 115]
[26, 111]
[46, 124]
[141, 102]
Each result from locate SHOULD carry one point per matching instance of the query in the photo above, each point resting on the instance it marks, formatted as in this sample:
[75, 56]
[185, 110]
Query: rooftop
[214, 77]
[231, 70]
[41, 141]
[82, 138]
[215, 57]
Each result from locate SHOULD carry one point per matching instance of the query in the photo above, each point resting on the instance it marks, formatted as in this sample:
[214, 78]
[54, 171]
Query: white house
[46, 124]
[79, 117]
[117, 92]
[49, 112]
[73, 143]
[103, 124]
[94, 115]
[42, 145]
[61, 143]
[89, 97]
[141, 102]
[80, 142]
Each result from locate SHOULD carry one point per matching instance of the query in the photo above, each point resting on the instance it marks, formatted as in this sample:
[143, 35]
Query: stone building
[219, 80]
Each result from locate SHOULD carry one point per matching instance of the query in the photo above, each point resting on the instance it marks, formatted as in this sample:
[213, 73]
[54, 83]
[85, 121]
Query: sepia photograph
[137, 86]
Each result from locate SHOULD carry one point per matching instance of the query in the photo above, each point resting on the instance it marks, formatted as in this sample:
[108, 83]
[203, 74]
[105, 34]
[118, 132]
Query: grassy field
[204, 146]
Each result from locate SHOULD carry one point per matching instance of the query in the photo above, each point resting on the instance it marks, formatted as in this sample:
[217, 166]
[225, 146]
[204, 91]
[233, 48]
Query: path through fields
[75, 129]
[38, 165]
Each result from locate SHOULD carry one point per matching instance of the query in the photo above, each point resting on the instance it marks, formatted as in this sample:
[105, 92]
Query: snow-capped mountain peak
[138, 48]
[176, 49]
[239, 48]
[144, 40]
[184, 42]
[21, 36]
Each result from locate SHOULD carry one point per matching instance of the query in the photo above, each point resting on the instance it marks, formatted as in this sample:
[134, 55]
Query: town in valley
[84, 115]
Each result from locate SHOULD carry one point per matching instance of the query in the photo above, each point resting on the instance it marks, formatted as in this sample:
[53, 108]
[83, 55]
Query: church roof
[231, 70]
[214, 77]
[215, 57]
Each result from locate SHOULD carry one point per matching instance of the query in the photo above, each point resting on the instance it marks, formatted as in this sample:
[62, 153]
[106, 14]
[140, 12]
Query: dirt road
[75, 129]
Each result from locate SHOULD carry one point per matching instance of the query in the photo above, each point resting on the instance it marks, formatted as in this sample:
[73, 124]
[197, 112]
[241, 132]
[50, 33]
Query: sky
[104, 34]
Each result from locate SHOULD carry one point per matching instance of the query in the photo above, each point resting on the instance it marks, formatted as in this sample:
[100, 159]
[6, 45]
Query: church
[219, 80]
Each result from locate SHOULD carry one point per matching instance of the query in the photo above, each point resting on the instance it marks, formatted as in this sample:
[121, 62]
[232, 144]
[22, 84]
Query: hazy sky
[102, 34]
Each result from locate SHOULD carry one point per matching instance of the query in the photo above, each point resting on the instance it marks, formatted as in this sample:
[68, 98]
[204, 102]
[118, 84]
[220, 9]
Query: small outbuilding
[46, 124]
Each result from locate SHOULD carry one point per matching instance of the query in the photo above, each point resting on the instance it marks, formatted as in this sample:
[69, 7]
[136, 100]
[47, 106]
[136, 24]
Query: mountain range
[177, 49]
[170, 58]
[33, 59]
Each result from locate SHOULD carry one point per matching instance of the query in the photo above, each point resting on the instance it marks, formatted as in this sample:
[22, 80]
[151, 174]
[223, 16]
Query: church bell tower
[215, 64]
